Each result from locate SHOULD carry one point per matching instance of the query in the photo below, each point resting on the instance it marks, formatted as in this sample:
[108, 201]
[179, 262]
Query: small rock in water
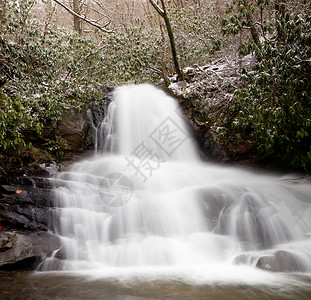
[280, 261]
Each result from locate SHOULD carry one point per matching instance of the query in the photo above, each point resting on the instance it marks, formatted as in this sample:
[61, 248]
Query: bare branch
[47, 22]
[101, 6]
[96, 10]
[159, 10]
[84, 18]
[204, 72]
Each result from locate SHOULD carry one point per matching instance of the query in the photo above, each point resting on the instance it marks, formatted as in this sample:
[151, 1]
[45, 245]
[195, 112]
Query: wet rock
[60, 254]
[26, 193]
[281, 261]
[28, 210]
[241, 259]
[50, 168]
[99, 109]
[44, 183]
[76, 130]
[215, 204]
[19, 246]
[244, 259]
[51, 264]
[209, 147]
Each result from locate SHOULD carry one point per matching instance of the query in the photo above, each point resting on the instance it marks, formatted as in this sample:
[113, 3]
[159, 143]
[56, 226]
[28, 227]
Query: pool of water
[62, 285]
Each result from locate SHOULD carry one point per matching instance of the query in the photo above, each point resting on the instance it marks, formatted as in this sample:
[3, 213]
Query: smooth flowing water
[146, 210]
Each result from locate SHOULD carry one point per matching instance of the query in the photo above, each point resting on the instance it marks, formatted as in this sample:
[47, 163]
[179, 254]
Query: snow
[174, 86]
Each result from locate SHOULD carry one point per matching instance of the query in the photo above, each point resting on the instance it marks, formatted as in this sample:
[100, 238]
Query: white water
[146, 206]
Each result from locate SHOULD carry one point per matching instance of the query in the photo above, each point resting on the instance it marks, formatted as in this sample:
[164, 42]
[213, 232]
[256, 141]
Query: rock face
[28, 209]
[99, 110]
[67, 139]
[72, 131]
[24, 249]
[207, 98]
[25, 203]
[210, 148]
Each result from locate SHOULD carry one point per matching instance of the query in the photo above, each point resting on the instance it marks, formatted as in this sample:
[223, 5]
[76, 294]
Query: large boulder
[277, 261]
[24, 249]
[281, 261]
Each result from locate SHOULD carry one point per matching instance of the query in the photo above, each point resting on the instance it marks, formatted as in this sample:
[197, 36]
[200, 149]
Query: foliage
[275, 107]
[15, 118]
[132, 55]
[44, 69]
[139, 50]
[197, 30]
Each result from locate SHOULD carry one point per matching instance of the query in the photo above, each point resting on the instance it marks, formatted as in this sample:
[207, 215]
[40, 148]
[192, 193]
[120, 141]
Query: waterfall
[147, 201]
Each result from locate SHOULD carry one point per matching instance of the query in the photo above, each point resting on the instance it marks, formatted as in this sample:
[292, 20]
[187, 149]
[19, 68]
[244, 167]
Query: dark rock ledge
[25, 205]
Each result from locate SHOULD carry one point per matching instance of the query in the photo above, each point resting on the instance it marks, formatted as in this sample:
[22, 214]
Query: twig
[212, 71]
[83, 18]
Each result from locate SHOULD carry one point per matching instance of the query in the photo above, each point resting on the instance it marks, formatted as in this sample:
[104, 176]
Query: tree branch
[157, 8]
[84, 18]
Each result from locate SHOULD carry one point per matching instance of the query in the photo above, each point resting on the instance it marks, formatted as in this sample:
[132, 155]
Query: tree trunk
[76, 20]
[163, 13]
[2, 14]
[249, 18]
[172, 42]
[280, 7]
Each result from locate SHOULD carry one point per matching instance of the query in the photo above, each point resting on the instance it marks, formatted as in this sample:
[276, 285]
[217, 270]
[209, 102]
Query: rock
[215, 205]
[70, 130]
[209, 147]
[25, 206]
[243, 259]
[26, 193]
[99, 109]
[19, 246]
[96, 114]
[207, 98]
[281, 261]
[28, 210]
[76, 130]
[35, 154]
[61, 254]
[44, 183]
[50, 168]
[51, 264]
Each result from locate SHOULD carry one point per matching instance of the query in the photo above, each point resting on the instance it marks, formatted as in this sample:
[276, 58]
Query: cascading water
[147, 204]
